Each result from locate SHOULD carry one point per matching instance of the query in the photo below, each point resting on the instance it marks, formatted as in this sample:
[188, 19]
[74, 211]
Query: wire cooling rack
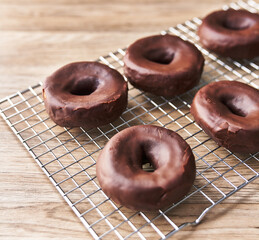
[68, 155]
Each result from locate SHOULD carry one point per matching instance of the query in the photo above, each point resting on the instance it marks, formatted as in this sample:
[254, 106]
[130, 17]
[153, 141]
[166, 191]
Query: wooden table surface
[37, 37]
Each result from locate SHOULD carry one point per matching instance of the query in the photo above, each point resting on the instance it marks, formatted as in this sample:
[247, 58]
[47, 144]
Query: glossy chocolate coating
[120, 173]
[228, 111]
[85, 94]
[231, 33]
[164, 65]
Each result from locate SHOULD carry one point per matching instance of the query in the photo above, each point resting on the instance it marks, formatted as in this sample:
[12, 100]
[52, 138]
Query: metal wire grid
[68, 155]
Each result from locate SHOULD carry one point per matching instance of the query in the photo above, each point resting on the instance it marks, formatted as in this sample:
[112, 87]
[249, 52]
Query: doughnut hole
[84, 86]
[237, 23]
[153, 155]
[234, 105]
[160, 56]
[146, 159]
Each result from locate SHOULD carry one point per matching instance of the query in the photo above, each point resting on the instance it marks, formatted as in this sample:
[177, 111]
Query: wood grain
[37, 37]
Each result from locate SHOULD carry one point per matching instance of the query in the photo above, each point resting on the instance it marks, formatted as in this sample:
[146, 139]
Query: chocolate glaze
[228, 111]
[85, 94]
[120, 173]
[163, 65]
[231, 33]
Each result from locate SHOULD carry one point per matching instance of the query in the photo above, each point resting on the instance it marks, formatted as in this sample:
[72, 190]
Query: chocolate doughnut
[120, 173]
[228, 111]
[231, 33]
[85, 94]
[163, 65]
